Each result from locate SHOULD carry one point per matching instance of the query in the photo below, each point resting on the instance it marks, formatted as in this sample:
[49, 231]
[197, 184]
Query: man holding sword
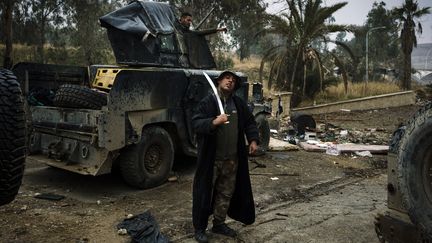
[221, 184]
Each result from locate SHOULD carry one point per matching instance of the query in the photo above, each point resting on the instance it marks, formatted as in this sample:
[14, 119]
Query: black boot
[223, 229]
[201, 236]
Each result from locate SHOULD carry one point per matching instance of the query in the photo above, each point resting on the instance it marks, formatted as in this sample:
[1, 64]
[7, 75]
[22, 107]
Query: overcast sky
[355, 12]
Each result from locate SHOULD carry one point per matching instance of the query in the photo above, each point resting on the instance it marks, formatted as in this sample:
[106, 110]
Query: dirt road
[300, 197]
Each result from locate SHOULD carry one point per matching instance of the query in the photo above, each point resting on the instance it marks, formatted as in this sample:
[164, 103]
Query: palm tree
[408, 14]
[304, 23]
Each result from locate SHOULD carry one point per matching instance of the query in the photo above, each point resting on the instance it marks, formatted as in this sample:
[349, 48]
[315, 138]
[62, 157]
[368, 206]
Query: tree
[383, 47]
[44, 14]
[408, 14]
[306, 22]
[7, 7]
[87, 35]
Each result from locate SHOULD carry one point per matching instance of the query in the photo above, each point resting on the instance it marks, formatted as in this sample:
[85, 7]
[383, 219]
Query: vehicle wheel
[76, 96]
[264, 131]
[148, 163]
[415, 169]
[12, 136]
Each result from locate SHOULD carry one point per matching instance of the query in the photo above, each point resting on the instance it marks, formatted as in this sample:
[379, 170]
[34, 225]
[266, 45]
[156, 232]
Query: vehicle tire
[76, 96]
[12, 136]
[148, 163]
[264, 131]
[415, 169]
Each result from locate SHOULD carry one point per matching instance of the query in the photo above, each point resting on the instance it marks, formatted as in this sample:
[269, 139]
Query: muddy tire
[148, 163]
[415, 169]
[12, 136]
[76, 96]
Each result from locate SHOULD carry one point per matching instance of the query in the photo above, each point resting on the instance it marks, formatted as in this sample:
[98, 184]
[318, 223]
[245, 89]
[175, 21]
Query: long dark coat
[242, 206]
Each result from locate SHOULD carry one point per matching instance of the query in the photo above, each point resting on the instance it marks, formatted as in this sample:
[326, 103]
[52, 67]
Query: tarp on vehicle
[141, 18]
[146, 33]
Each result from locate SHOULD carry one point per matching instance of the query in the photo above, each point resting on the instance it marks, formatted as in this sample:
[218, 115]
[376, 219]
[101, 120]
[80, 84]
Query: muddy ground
[300, 197]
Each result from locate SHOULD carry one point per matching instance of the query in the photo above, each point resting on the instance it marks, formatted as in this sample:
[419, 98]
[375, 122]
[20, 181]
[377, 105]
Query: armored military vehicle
[135, 115]
[409, 214]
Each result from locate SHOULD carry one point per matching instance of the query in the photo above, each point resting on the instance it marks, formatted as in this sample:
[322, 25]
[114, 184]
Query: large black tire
[76, 96]
[12, 137]
[415, 169]
[148, 163]
[264, 131]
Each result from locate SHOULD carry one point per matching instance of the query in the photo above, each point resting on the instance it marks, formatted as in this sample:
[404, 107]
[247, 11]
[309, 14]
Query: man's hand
[221, 119]
[253, 147]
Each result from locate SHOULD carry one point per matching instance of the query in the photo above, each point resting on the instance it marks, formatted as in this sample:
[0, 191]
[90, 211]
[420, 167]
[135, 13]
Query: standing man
[221, 184]
[188, 44]
[186, 22]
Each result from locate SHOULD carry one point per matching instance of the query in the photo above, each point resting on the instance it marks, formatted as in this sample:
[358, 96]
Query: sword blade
[219, 102]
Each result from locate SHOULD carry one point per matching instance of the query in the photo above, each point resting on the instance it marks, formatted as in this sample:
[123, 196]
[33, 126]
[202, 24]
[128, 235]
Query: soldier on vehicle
[221, 184]
[183, 28]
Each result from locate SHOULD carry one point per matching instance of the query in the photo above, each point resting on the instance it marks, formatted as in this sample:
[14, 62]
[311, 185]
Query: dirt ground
[300, 196]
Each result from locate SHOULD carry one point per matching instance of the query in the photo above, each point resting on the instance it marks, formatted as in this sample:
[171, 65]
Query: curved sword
[219, 102]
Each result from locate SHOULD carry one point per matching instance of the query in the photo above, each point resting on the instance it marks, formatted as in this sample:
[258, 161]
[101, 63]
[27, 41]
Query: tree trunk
[304, 75]
[300, 48]
[7, 60]
[41, 43]
[406, 78]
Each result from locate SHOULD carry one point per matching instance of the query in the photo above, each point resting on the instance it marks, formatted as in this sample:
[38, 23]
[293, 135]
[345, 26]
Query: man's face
[186, 21]
[227, 83]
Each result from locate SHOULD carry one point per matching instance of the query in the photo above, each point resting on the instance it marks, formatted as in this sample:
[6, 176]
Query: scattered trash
[274, 178]
[143, 228]
[273, 131]
[346, 110]
[364, 153]
[23, 208]
[173, 178]
[49, 196]
[315, 142]
[122, 232]
[343, 133]
[291, 139]
[310, 136]
[98, 202]
[129, 216]
[333, 150]
[279, 145]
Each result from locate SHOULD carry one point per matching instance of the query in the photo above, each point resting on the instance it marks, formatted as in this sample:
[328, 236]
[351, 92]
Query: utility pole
[367, 50]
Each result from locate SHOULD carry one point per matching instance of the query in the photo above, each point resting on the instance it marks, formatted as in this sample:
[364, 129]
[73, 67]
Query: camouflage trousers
[224, 180]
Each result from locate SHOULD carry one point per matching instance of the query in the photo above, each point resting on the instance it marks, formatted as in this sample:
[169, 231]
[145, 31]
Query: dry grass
[250, 67]
[355, 90]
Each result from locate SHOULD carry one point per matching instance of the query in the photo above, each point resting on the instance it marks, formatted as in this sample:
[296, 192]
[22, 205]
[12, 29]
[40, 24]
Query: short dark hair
[185, 14]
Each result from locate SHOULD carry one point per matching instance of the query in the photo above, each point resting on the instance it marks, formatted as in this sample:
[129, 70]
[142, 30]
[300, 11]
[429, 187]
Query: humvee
[408, 217]
[135, 115]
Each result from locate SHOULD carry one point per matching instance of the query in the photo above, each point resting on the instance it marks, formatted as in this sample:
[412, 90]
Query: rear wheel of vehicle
[148, 163]
[415, 169]
[12, 136]
[264, 131]
[76, 96]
